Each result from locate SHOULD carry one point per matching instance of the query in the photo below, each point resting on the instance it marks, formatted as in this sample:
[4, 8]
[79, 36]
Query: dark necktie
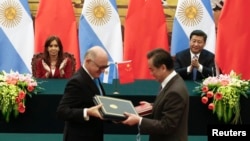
[194, 69]
[98, 85]
[160, 89]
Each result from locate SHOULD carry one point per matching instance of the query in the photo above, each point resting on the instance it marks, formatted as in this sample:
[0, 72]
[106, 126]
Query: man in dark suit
[195, 63]
[83, 122]
[169, 118]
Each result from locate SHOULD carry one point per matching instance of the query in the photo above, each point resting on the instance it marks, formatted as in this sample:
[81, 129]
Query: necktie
[194, 69]
[160, 89]
[98, 85]
[194, 73]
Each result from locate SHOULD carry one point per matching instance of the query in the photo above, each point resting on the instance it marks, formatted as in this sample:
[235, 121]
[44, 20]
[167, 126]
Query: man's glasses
[100, 67]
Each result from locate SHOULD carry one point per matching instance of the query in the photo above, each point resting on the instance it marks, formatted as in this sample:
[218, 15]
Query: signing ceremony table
[40, 116]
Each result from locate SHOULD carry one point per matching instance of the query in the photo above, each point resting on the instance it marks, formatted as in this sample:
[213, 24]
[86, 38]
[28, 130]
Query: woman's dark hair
[46, 52]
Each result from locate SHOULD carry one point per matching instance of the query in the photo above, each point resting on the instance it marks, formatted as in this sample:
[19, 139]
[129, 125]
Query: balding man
[76, 108]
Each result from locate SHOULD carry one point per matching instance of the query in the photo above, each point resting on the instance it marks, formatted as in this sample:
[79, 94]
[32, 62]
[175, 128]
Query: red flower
[204, 89]
[21, 107]
[16, 86]
[30, 88]
[211, 106]
[218, 96]
[21, 95]
[210, 94]
[18, 100]
[213, 90]
[204, 100]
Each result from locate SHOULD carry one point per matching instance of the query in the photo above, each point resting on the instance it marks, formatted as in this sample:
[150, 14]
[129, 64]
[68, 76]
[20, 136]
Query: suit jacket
[40, 70]
[169, 121]
[183, 60]
[78, 94]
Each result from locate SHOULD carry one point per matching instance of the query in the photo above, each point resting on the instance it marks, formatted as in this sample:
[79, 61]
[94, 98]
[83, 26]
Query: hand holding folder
[144, 108]
[114, 108]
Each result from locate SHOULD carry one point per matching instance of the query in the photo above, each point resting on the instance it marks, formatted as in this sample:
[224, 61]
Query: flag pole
[116, 82]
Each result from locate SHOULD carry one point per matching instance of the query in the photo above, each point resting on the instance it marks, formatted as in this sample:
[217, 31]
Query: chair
[38, 56]
[73, 60]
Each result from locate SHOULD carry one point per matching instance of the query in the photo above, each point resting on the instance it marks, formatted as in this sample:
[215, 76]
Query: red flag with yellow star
[125, 72]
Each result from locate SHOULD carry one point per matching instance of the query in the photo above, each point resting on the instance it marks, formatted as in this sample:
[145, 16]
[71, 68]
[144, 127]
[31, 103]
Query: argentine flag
[100, 25]
[16, 36]
[109, 73]
[191, 15]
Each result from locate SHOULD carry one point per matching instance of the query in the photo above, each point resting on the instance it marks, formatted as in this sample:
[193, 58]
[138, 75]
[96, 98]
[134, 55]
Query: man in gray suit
[169, 118]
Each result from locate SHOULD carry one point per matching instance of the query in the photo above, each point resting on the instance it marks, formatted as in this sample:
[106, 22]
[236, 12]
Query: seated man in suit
[195, 63]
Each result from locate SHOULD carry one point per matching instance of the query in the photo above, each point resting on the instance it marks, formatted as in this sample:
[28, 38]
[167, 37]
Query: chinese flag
[125, 71]
[145, 29]
[232, 46]
[57, 18]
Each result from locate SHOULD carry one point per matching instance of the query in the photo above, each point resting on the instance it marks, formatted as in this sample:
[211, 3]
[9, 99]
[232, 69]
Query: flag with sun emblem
[16, 36]
[108, 75]
[100, 25]
[191, 15]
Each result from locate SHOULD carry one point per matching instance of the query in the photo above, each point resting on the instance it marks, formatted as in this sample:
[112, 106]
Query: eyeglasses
[100, 67]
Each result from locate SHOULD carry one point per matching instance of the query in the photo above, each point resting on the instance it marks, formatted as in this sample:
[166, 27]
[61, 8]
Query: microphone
[213, 71]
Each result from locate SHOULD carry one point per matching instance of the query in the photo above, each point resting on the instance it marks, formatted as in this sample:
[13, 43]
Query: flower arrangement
[222, 94]
[13, 90]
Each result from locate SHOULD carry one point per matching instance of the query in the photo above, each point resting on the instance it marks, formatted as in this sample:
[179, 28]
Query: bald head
[95, 61]
[96, 52]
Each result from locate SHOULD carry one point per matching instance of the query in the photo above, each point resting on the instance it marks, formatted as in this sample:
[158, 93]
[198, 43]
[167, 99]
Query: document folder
[114, 108]
[143, 110]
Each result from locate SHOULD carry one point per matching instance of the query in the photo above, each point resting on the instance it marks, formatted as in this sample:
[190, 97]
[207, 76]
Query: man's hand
[132, 119]
[145, 103]
[195, 63]
[94, 111]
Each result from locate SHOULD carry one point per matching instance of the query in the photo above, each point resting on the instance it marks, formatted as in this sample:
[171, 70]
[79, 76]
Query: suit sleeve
[180, 66]
[168, 116]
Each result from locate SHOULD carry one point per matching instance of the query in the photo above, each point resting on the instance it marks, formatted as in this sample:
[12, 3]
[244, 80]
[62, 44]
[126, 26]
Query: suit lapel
[91, 84]
[163, 93]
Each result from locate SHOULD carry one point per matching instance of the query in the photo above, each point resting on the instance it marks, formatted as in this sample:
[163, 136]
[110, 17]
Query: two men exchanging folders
[84, 117]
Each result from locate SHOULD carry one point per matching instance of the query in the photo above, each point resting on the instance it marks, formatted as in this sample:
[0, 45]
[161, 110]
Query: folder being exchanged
[114, 108]
[143, 110]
